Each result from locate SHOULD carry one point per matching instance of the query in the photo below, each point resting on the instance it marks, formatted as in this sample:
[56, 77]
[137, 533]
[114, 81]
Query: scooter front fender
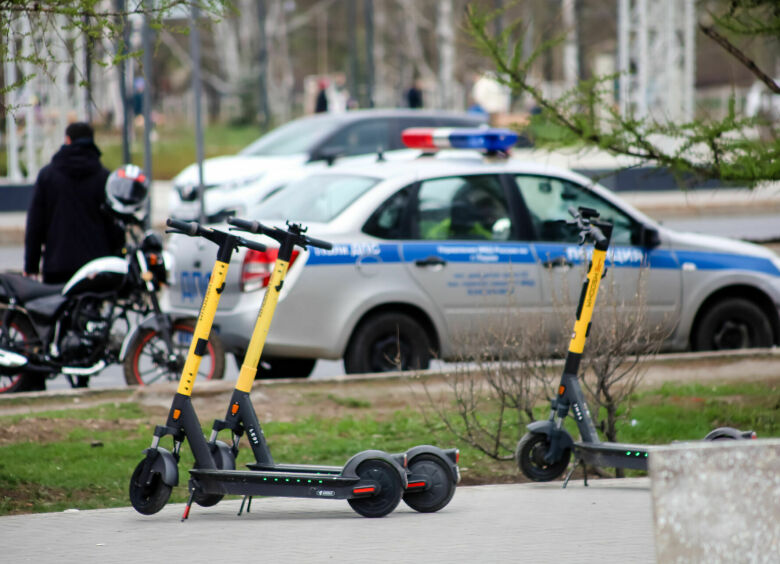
[164, 464]
[560, 439]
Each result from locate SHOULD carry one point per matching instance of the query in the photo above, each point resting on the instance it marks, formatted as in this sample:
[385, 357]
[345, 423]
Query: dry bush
[510, 368]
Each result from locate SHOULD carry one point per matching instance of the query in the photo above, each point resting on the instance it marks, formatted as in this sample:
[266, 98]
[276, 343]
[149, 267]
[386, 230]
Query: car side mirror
[649, 237]
[327, 154]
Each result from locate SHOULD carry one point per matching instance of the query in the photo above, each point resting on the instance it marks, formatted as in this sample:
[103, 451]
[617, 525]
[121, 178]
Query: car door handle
[557, 262]
[430, 261]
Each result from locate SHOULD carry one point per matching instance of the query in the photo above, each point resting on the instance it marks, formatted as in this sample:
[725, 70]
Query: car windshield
[315, 199]
[296, 137]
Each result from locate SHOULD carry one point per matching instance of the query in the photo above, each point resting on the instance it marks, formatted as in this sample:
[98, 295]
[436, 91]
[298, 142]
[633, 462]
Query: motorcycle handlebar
[294, 233]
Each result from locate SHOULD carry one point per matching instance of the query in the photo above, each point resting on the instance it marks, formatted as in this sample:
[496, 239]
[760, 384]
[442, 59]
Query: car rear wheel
[386, 342]
[733, 323]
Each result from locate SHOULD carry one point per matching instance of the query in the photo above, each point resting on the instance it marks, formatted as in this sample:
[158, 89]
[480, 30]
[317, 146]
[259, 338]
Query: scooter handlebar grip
[190, 228]
[598, 237]
[319, 243]
[245, 225]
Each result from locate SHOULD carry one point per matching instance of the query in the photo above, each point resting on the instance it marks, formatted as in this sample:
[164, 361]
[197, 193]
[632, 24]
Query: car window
[387, 222]
[316, 198]
[361, 138]
[462, 207]
[549, 199]
[296, 137]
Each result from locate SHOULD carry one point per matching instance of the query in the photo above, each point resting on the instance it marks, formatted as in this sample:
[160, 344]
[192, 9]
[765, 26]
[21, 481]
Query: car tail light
[257, 267]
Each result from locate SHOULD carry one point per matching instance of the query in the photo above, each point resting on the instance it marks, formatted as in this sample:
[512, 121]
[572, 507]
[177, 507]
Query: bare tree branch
[721, 40]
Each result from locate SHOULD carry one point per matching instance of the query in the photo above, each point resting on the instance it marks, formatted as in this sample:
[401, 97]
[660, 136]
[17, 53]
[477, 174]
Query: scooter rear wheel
[223, 458]
[441, 486]
[148, 499]
[390, 489]
[530, 453]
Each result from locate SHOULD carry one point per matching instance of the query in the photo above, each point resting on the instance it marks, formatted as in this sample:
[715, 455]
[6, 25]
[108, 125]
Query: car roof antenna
[380, 154]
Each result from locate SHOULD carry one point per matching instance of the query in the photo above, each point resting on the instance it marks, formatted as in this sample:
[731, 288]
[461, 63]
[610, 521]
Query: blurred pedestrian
[414, 96]
[67, 222]
[321, 104]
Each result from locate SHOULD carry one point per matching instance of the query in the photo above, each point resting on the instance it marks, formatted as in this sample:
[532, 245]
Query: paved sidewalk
[608, 522]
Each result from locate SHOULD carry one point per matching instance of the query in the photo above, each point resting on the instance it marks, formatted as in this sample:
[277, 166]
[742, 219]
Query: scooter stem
[203, 327]
[246, 376]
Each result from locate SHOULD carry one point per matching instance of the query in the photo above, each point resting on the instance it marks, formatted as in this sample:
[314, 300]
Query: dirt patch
[44, 430]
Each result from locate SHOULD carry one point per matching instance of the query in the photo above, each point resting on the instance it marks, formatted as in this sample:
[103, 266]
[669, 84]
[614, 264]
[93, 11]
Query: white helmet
[127, 190]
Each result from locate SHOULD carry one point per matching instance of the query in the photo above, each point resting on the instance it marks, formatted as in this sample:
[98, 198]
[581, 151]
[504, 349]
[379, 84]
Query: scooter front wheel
[390, 489]
[148, 499]
[530, 453]
[441, 486]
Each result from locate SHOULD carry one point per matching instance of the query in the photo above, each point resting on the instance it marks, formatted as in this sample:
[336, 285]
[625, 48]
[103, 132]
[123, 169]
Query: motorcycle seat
[25, 289]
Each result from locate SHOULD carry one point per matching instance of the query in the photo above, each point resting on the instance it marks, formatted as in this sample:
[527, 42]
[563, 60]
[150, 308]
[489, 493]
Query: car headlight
[241, 182]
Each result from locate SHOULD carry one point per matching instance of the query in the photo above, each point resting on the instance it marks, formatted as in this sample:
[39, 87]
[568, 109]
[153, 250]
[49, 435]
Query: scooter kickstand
[248, 505]
[187, 508]
[577, 462]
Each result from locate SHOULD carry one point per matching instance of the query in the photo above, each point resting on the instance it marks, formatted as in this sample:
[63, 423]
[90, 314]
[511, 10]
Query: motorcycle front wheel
[147, 362]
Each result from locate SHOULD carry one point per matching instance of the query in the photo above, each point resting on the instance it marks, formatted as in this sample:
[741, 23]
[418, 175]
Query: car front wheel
[386, 342]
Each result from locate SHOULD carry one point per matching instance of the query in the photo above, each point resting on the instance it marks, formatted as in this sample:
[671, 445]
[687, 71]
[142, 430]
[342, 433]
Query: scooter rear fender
[449, 456]
[165, 465]
[350, 468]
[729, 433]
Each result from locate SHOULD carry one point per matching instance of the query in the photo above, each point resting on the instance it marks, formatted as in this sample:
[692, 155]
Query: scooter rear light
[257, 267]
[368, 489]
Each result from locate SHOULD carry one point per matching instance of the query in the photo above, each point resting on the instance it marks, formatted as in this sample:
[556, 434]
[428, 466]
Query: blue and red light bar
[490, 140]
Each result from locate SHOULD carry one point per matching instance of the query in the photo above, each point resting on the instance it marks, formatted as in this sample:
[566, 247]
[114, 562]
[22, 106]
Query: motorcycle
[107, 313]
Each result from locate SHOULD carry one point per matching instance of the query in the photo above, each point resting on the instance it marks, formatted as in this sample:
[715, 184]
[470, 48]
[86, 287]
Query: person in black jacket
[67, 218]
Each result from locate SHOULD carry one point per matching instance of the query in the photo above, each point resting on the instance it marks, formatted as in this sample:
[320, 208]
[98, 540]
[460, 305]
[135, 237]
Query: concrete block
[717, 501]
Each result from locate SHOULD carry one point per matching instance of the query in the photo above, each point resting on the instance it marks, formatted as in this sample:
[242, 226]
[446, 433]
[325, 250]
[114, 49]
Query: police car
[428, 253]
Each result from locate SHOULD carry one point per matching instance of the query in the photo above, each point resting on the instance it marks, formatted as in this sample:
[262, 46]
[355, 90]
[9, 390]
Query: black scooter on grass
[545, 450]
[372, 481]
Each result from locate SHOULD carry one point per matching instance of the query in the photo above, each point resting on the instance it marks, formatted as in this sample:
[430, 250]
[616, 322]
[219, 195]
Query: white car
[428, 252]
[236, 182]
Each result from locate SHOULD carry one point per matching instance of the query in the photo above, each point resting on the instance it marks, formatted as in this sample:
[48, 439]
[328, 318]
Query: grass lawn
[83, 458]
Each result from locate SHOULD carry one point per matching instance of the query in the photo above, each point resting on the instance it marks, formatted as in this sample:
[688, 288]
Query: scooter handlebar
[294, 232]
[191, 228]
[246, 225]
[319, 243]
[194, 229]
[583, 219]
